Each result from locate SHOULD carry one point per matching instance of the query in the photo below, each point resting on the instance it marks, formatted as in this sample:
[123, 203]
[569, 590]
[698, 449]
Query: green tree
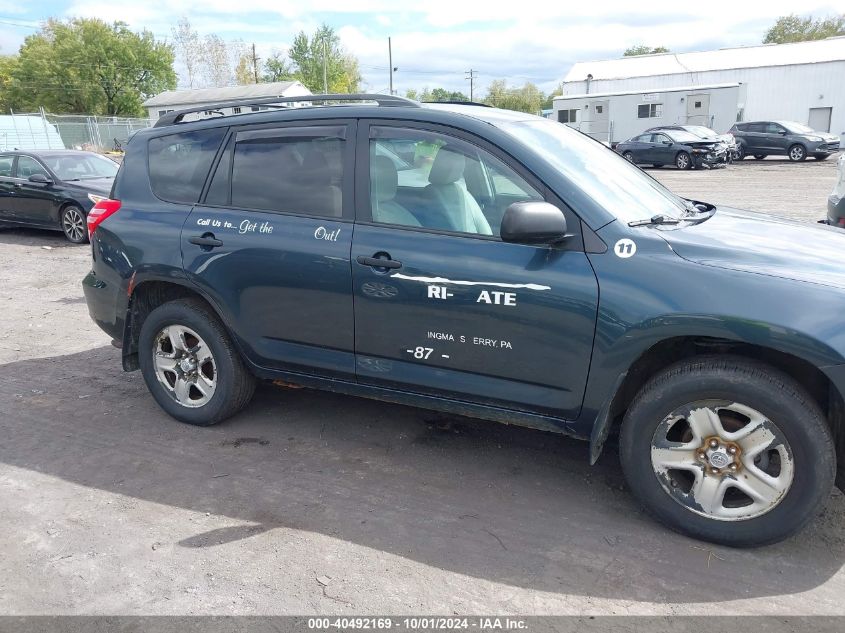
[278, 68]
[8, 63]
[412, 93]
[642, 49]
[550, 99]
[85, 65]
[323, 49]
[792, 28]
[528, 98]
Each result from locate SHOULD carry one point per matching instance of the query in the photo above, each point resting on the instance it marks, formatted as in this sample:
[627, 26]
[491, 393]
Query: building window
[698, 104]
[649, 110]
[599, 109]
[254, 109]
[567, 116]
[236, 110]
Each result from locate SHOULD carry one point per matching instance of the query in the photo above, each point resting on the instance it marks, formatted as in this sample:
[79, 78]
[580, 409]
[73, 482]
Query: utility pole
[471, 75]
[390, 62]
[325, 75]
[254, 63]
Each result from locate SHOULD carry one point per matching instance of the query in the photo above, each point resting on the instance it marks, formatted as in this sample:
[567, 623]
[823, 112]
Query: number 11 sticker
[625, 248]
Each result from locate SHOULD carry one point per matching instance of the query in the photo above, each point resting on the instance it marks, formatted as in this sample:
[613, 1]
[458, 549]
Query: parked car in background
[53, 189]
[704, 133]
[673, 147]
[836, 200]
[783, 138]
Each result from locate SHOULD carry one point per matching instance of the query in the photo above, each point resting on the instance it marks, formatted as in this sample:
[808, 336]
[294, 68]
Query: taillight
[103, 209]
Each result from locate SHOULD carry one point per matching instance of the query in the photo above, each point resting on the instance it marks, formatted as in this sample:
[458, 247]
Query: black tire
[821, 156]
[797, 153]
[73, 223]
[760, 156]
[234, 384]
[740, 152]
[628, 156]
[781, 400]
[683, 161]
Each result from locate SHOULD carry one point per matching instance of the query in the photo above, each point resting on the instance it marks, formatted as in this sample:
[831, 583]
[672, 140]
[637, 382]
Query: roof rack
[172, 118]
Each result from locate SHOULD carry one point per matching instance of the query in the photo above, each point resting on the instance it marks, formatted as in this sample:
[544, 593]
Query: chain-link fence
[40, 130]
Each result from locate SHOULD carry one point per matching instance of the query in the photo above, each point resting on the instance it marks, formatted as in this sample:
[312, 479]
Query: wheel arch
[672, 350]
[146, 296]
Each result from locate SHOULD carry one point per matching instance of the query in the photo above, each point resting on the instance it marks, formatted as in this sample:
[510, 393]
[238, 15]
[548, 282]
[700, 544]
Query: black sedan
[677, 147]
[53, 189]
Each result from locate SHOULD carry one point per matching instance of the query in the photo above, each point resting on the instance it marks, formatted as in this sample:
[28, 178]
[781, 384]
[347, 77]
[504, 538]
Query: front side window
[429, 180]
[27, 166]
[290, 170]
[179, 163]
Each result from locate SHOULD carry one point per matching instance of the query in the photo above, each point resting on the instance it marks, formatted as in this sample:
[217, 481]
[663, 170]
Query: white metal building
[171, 100]
[804, 82]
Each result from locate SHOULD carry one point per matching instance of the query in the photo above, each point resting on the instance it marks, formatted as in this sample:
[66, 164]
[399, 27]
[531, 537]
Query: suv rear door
[270, 242]
[444, 307]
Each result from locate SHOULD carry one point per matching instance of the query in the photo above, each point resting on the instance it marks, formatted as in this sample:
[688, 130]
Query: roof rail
[457, 102]
[171, 118]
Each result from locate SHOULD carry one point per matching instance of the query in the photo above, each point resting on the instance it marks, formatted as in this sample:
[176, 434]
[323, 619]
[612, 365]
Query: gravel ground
[319, 503]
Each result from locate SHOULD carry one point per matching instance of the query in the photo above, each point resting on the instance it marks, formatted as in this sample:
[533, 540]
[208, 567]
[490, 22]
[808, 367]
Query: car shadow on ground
[36, 237]
[506, 504]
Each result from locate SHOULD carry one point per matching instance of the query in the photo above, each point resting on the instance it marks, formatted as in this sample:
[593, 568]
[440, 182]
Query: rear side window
[290, 170]
[6, 166]
[179, 163]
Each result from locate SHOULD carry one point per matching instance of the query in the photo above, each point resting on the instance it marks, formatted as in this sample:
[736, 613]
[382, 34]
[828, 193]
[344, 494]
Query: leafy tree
[528, 98]
[792, 28]
[642, 49]
[436, 94]
[310, 54]
[550, 99]
[86, 65]
[244, 71]
[278, 68]
[8, 64]
[411, 93]
[216, 66]
[189, 49]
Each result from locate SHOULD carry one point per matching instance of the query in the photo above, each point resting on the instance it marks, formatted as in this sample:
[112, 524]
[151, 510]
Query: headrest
[447, 168]
[384, 178]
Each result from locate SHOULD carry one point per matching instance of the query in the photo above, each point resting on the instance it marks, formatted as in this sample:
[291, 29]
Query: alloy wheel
[722, 460]
[184, 365]
[682, 161]
[796, 152]
[73, 224]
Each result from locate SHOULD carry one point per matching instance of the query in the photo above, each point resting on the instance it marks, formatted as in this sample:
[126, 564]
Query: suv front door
[270, 243]
[444, 307]
[777, 140]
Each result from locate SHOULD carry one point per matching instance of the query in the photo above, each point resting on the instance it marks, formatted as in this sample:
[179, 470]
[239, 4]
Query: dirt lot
[319, 503]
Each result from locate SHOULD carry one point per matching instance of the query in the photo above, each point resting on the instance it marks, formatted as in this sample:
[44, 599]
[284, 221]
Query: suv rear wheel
[190, 365]
[728, 450]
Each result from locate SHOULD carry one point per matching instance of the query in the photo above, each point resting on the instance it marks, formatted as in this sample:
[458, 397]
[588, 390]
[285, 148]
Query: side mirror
[533, 223]
[782, 132]
[40, 179]
[668, 143]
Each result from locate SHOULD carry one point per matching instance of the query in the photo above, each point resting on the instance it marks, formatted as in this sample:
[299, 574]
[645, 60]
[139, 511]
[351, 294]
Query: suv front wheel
[728, 450]
[190, 365]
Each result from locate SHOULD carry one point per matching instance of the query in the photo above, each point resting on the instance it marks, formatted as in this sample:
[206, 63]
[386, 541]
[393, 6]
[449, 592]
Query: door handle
[207, 240]
[378, 262]
[18, 185]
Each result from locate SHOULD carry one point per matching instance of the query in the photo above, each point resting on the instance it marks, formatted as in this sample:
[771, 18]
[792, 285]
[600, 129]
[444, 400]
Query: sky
[436, 42]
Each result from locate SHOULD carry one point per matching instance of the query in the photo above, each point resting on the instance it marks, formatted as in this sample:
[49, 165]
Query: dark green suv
[487, 263]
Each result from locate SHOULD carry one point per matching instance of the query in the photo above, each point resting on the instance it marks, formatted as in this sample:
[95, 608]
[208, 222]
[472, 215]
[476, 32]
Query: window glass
[218, 191]
[81, 166]
[28, 166]
[438, 182]
[6, 166]
[297, 170]
[179, 163]
[773, 128]
[642, 111]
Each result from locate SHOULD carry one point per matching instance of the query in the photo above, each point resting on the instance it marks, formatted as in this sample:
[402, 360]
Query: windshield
[682, 137]
[81, 166]
[621, 188]
[701, 131]
[798, 128]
